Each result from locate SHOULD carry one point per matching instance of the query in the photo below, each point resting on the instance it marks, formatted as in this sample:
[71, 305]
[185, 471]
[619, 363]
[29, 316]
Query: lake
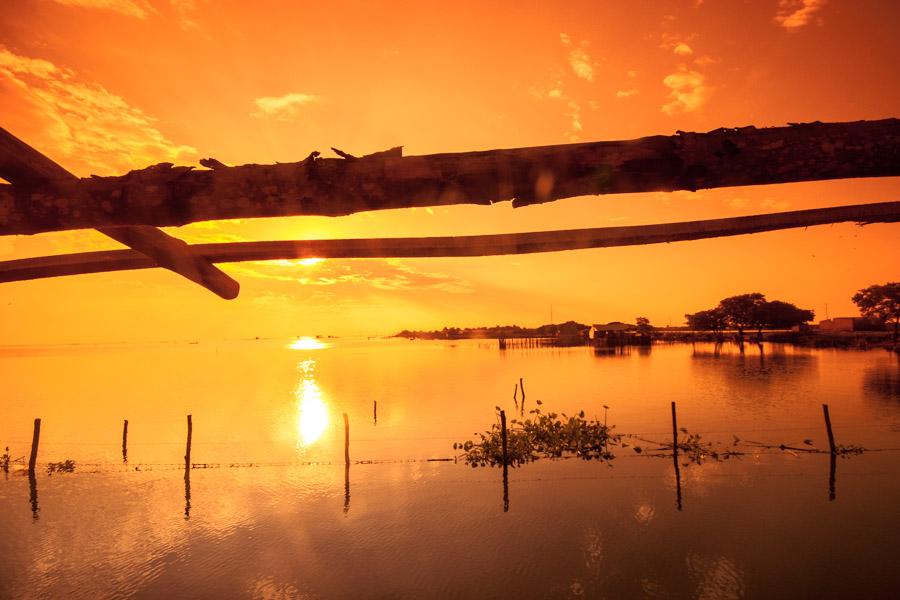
[269, 511]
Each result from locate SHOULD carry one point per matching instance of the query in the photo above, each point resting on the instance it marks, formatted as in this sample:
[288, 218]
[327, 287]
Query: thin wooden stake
[35, 440]
[187, 455]
[675, 457]
[831, 444]
[346, 440]
[125, 442]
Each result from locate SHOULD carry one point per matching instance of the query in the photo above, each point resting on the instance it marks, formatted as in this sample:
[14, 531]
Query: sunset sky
[105, 86]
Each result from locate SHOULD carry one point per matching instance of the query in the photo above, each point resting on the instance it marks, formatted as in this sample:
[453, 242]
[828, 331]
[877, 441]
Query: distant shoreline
[812, 339]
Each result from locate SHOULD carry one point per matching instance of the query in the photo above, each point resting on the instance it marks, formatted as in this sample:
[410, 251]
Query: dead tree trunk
[163, 195]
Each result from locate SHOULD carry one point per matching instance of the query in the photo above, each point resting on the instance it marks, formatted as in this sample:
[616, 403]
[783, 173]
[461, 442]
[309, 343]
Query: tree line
[748, 312]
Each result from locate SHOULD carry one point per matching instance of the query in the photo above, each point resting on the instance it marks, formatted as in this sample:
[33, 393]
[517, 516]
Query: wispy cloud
[82, 121]
[184, 10]
[631, 89]
[579, 59]
[688, 93]
[380, 274]
[794, 14]
[682, 49]
[283, 107]
[132, 8]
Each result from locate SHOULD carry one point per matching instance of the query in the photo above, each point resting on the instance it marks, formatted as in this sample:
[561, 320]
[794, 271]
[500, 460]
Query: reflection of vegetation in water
[4, 461]
[66, 466]
[884, 382]
[548, 435]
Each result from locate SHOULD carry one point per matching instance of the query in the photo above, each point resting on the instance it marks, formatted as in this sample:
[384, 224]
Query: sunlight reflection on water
[312, 413]
[307, 343]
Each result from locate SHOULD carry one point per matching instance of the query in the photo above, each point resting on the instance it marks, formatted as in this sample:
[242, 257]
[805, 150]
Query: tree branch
[477, 245]
[165, 195]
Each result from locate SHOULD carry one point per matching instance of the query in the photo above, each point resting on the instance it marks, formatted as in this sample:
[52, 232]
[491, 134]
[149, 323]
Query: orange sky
[103, 86]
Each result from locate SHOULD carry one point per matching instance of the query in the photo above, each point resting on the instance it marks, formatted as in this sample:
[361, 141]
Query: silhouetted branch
[476, 245]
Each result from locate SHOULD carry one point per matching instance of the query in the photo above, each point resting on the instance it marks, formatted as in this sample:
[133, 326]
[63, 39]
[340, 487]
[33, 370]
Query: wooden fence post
[346, 440]
[125, 442]
[187, 455]
[675, 457]
[831, 443]
[35, 440]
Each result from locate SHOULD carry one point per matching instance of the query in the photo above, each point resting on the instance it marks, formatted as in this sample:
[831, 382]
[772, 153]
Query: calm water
[296, 524]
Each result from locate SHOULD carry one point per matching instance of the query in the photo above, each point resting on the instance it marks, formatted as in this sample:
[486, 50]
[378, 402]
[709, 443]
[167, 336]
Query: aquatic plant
[550, 435]
[66, 466]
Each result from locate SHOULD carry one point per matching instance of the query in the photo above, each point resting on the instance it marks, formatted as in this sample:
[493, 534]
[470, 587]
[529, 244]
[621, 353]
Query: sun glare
[307, 343]
[312, 414]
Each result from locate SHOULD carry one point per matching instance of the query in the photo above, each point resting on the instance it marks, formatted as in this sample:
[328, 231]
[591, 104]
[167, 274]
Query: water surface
[276, 514]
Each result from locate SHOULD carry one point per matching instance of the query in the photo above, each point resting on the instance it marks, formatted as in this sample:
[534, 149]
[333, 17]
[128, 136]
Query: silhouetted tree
[880, 302]
[707, 320]
[784, 315]
[643, 325]
[743, 312]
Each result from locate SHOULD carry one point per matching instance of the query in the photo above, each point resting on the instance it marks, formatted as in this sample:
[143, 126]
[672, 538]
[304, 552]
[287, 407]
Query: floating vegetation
[549, 435]
[554, 435]
[846, 450]
[66, 466]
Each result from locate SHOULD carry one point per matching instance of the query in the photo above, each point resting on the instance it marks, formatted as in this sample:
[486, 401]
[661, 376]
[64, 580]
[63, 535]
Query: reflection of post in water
[187, 495]
[375, 411]
[831, 477]
[505, 489]
[522, 388]
[506, 455]
[32, 484]
[346, 488]
[675, 458]
[125, 442]
[833, 447]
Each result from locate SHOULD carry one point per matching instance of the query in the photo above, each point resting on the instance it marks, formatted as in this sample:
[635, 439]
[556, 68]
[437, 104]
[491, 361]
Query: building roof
[614, 326]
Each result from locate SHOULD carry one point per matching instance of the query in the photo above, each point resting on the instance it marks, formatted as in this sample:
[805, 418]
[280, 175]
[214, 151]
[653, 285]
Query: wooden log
[475, 245]
[164, 195]
[35, 441]
[831, 444]
[33, 173]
